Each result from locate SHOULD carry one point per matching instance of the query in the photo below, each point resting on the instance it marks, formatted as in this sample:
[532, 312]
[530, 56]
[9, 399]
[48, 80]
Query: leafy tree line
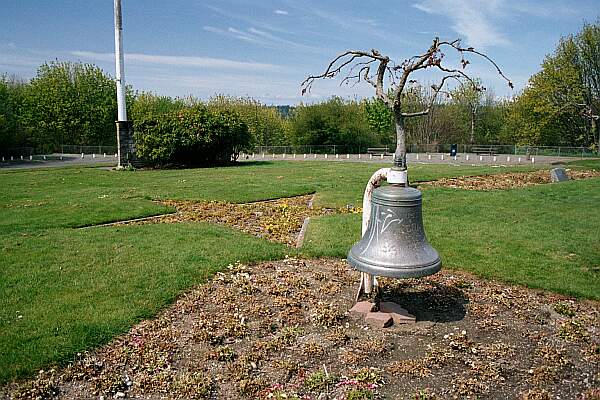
[561, 103]
[72, 103]
[65, 103]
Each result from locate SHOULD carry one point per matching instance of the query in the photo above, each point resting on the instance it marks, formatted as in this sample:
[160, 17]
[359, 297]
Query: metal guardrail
[557, 151]
[305, 149]
[76, 149]
[26, 153]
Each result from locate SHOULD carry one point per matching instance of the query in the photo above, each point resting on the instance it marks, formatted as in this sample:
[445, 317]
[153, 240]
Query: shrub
[192, 136]
[267, 127]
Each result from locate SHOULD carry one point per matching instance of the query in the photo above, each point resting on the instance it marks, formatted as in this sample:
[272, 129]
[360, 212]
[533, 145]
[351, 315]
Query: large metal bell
[394, 244]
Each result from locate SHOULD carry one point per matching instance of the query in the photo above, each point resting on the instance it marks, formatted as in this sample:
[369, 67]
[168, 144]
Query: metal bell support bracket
[393, 176]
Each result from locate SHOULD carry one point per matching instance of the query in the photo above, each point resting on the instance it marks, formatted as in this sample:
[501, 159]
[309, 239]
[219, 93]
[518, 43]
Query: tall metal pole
[120, 69]
[125, 144]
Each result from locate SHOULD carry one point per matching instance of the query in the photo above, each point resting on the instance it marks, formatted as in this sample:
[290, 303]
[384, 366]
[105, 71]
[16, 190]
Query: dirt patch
[505, 181]
[277, 220]
[280, 330]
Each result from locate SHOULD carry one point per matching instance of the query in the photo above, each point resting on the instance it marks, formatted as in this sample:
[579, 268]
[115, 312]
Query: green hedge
[192, 136]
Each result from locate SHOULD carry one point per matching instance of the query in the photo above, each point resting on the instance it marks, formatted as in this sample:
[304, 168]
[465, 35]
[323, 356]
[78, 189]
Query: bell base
[413, 271]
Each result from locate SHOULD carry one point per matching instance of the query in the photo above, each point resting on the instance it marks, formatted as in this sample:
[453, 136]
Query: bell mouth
[397, 271]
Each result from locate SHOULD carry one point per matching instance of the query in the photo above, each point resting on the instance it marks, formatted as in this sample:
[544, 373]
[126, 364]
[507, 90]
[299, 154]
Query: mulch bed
[280, 330]
[277, 220]
[506, 181]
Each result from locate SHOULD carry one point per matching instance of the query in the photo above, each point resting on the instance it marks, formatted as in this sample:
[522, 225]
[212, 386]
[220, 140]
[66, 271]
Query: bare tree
[469, 97]
[376, 68]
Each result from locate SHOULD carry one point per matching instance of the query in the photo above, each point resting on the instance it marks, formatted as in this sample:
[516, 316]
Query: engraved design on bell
[381, 226]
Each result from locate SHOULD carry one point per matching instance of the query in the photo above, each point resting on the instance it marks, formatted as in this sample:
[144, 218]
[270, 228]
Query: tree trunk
[400, 154]
[472, 126]
[596, 133]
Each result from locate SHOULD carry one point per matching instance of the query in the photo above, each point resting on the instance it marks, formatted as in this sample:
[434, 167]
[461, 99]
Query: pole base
[126, 145]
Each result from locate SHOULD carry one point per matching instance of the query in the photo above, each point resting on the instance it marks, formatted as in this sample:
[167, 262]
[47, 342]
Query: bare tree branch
[399, 76]
[472, 50]
[434, 94]
[336, 66]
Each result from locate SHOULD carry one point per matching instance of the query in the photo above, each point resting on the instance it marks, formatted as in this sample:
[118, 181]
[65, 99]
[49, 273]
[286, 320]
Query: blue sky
[264, 49]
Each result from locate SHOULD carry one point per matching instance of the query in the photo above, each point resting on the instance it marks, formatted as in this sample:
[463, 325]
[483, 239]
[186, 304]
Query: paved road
[58, 160]
[418, 158]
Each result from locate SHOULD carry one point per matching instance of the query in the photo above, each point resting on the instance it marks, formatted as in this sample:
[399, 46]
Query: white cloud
[260, 22]
[179, 61]
[265, 87]
[281, 12]
[265, 39]
[470, 18]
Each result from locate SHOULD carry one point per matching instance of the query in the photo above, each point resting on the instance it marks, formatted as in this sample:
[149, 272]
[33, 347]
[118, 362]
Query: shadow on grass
[249, 163]
[435, 303]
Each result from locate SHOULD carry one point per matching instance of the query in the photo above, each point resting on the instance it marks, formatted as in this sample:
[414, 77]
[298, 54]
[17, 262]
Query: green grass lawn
[543, 236]
[64, 290]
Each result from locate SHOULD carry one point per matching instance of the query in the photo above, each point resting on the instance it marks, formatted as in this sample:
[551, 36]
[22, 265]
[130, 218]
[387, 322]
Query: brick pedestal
[126, 145]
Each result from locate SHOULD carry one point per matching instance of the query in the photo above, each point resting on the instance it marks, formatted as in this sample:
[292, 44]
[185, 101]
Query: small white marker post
[253, 156]
[294, 155]
[263, 155]
[494, 158]
[508, 159]
[325, 155]
[347, 156]
[116, 155]
[519, 160]
[429, 156]
[467, 158]
[21, 158]
[2, 158]
[304, 155]
[442, 158]
[273, 155]
[61, 157]
[93, 155]
[44, 158]
[104, 155]
[417, 156]
[533, 160]
[480, 158]
[283, 156]
[370, 156]
[81, 155]
[11, 158]
[454, 158]
[30, 158]
[337, 156]
[359, 156]
[315, 155]
[382, 156]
